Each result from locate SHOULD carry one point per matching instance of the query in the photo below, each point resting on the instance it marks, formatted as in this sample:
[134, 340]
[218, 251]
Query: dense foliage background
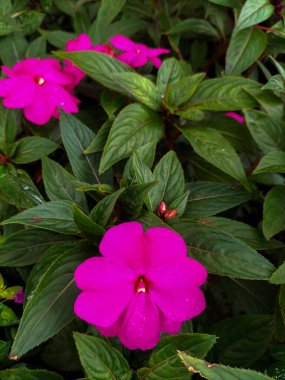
[143, 136]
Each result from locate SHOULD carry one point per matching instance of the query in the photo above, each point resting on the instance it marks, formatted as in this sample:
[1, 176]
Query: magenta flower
[38, 87]
[136, 55]
[19, 296]
[236, 116]
[144, 284]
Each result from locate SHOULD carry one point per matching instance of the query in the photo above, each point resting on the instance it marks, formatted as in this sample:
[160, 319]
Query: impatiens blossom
[236, 116]
[143, 285]
[38, 87]
[81, 43]
[136, 55]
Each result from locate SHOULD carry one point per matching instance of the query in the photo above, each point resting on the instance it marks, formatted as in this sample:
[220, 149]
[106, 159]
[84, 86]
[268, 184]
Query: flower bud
[162, 208]
[170, 214]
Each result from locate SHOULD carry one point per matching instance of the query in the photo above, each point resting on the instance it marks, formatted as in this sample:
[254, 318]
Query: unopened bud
[162, 208]
[206, 222]
[170, 214]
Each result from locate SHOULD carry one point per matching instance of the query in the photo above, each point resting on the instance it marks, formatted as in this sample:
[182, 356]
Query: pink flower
[236, 116]
[81, 43]
[37, 86]
[144, 284]
[19, 296]
[136, 55]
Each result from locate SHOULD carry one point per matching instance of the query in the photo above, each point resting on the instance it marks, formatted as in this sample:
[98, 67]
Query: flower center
[138, 51]
[39, 80]
[140, 286]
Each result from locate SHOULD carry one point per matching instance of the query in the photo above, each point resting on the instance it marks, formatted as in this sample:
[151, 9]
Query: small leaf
[99, 141]
[254, 12]
[134, 126]
[111, 102]
[103, 210]
[100, 360]
[272, 162]
[214, 148]
[23, 373]
[140, 88]
[169, 72]
[50, 304]
[30, 149]
[218, 371]
[86, 225]
[278, 276]
[274, 212]
[9, 124]
[59, 184]
[76, 138]
[7, 316]
[54, 216]
[194, 25]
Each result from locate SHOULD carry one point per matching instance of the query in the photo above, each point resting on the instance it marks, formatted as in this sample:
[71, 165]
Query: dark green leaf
[268, 132]
[23, 373]
[37, 48]
[57, 38]
[254, 12]
[103, 210]
[100, 360]
[30, 21]
[246, 46]
[227, 3]
[12, 48]
[111, 103]
[98, 66]
[274, 211]
[30, 149]
[180, 203]
[76, 138]
[194, 25]
[54, 216]
[86, 225]
[214, 148]
[17, 188]
[134, 126]
[142, 175]
[25, 247]
[222, 254]
[242, 340]
[50, 304]
[7, 316]
[169, 72]
[140, 88]
[272, 162]
[59, 184]
[218, 371]
[210, 198]
[278, 276]
[8, 127]
[99, 141]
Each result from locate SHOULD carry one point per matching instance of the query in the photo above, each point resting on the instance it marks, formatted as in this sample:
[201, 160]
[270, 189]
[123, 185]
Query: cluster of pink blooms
[41, 86]
[143, 284]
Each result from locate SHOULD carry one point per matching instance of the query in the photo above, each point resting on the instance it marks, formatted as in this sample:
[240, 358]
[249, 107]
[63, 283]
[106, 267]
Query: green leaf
[211, 198]
[254, 12]
[103, 210]
[99, 141]
[142, 175]
[181, 91]
[248, 234]
[32, 148]
[12, 48]
[169, 175]
[23, 373]
[50, 304]
[246, 46]
[140, 88]
[30, 21]
[98, 66]
[242, 340]
[180, 203]
[194, 25]
[222, 254]
[9, 123]
[25, 247]
[268, 132]
[278, 276]
[227, 3]
[164, 361]
[76, 138]
[7, 316]
[134, 126]
[111, 103]
[272, 162]
[86, 225]
[100, 360]
[214, 148]
[169, 72]
[17, 188]
[218, 371]
[37, 48]
[57, 38]
[54, 216]
[107, 12]
[222, 94]
[59, 184]
[274, 212]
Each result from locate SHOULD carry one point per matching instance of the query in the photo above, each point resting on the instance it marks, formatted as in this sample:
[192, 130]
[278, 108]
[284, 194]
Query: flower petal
[98, 273]
[124, 244]
[155, 61]
[102, 308]
[132, 59]
[82, 42]
[141, 323]
[113, 330]
[169, 326]
[179, 305]
[59, 97]
[157, 51]
[122, 43]
[162, 245]
[40, 110]
[181, 273]
[18, 92]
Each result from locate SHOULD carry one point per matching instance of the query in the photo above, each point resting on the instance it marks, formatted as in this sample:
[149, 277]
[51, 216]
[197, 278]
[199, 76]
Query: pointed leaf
[274, 212]
[86, 225]
[169, 72]
[254, 12]
[272, 162]
[23, 373]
